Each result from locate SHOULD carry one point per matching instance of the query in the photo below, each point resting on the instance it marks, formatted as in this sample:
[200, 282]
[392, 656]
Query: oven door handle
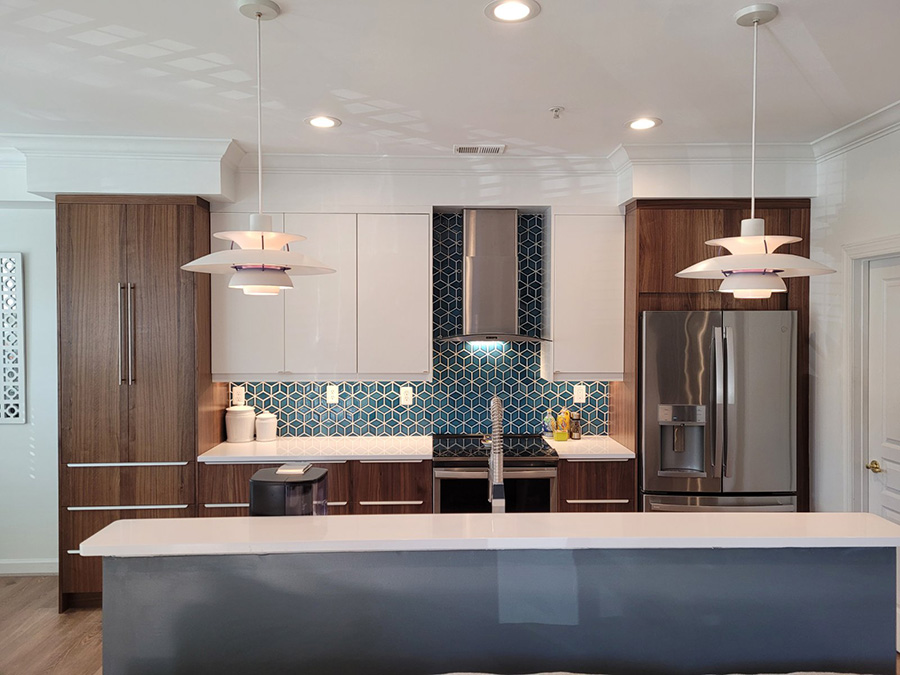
[461, 472]
[512, 472]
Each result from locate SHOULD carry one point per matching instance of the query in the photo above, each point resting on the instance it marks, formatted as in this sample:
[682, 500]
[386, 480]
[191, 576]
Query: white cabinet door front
[588, 263]
[247, 331]
[320, 311]
[394, 299]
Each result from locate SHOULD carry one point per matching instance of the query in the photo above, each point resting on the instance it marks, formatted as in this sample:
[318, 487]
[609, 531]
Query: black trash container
[293, 492]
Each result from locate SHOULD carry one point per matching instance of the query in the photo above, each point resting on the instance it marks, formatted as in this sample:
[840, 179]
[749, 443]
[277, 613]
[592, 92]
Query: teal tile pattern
[465, 375]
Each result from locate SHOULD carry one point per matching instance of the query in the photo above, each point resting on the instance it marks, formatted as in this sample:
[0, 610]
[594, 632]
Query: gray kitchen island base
[617, 611]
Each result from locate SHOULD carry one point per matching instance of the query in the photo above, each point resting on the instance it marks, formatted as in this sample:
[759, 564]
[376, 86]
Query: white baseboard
[28, 567]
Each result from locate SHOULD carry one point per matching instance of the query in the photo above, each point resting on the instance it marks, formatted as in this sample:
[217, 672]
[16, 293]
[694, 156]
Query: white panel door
[320, 311]
[588, 297]
[394, 300]
[883, 407]
[884, 387]
[247, 331]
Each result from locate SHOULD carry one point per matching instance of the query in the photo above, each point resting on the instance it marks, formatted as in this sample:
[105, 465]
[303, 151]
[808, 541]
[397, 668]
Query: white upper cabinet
[370, 320]
[247, 331]
[320, 311]
[394, 298]
[586, 299]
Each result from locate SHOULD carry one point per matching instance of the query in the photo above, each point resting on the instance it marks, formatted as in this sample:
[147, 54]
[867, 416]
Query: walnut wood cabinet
[596, 486]
[357, 487]
[666, 235]
[136, 401]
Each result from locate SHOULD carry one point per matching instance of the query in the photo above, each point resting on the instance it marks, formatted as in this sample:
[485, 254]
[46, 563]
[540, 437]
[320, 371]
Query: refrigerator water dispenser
[682, 439]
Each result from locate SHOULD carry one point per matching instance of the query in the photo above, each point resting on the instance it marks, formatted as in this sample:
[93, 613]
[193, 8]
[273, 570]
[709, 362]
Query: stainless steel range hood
[490, 277]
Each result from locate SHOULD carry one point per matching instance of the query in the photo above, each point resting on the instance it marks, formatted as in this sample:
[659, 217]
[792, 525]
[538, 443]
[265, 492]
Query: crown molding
[10, 158]
[864, 130]
[130, 147]
[434, 166]
[712, 153]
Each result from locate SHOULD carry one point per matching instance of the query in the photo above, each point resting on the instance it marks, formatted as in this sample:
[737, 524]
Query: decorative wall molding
[16, 567]
[12, 339]
[864, 130]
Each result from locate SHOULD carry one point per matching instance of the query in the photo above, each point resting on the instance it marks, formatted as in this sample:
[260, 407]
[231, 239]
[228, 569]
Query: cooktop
[468, 446]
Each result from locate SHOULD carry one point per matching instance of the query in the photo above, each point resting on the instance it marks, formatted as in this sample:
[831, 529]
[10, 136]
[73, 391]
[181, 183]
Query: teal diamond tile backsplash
[465, 375]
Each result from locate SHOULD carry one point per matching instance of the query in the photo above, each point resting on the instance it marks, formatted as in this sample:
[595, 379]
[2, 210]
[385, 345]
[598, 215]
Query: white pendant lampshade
[754, 270]
[260, 261]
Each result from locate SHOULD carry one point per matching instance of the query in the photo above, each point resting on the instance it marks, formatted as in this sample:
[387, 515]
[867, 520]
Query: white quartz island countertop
[382, 448]
[454, 532]
[322, 449]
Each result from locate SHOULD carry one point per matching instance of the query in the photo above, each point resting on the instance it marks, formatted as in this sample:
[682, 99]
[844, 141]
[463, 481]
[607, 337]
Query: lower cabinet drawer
[91, 485]
[224, 488]
[596, 486]
[84, 575]
[391, 487]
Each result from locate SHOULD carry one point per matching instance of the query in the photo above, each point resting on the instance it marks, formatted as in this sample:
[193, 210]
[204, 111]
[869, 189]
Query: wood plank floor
[35, 639]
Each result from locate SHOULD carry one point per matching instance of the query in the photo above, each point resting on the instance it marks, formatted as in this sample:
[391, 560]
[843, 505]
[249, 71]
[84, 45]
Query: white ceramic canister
[239, 422]
[266, 426]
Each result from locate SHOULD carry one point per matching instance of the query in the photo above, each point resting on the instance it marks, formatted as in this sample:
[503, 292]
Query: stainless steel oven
[464, 489]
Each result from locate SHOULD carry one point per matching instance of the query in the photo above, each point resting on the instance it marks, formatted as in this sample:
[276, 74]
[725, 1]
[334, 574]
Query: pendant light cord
[753, 129]
[259, 168]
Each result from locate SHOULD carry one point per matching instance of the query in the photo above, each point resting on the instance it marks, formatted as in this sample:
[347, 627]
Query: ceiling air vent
[479, 149]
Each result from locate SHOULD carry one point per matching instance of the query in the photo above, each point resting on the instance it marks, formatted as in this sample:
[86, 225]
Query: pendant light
[260, 261]
[754, 270]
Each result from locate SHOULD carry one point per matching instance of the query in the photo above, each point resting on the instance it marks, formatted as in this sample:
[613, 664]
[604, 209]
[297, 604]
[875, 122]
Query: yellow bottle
[562, 425]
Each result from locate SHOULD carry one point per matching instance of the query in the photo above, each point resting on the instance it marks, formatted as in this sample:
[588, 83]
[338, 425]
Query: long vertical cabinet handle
[130, 310]
[719, 393]
[730, 391]
[119, 343]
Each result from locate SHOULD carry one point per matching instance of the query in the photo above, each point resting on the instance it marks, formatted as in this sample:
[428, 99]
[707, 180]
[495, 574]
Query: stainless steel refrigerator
[719, 413]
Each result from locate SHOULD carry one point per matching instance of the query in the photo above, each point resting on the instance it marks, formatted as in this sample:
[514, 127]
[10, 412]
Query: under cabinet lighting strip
[90, 465]
[597, 501]
[127, 508]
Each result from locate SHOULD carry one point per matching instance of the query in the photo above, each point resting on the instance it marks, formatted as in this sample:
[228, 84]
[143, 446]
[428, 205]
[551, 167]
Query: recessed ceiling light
[642, 123]
[511, 11]
[323, 122]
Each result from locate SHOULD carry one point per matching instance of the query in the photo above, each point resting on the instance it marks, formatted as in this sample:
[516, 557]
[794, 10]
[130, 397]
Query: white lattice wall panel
[12, 340]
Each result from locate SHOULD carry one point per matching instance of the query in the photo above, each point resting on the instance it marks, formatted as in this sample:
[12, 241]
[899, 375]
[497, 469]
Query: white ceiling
[413, 77]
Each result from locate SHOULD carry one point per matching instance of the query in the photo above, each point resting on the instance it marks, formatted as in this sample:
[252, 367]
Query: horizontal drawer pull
[91, 465]
[397, 503]
[597, 501]
[602, 459]
[227, 506]
[338, 503]
[127, 508]
[391, 461]
[74, 552]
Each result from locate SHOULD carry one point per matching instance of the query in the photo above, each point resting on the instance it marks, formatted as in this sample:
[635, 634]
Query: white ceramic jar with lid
[239, 423]
[266, 426]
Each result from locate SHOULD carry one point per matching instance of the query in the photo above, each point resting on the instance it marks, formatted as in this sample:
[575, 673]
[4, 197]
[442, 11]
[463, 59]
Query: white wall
[28, 452]
[857, 202]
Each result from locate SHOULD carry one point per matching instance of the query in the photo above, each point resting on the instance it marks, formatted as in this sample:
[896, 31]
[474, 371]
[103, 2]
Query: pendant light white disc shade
[754, 270]
[260, 281]
[292, 263]
[750, 285]
[782, 264]
[253, 239]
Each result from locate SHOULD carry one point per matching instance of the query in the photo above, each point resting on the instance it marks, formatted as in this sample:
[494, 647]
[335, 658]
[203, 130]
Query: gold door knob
[874, 466]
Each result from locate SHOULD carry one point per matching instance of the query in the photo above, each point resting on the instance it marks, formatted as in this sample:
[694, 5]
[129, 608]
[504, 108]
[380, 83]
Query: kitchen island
[510, 593]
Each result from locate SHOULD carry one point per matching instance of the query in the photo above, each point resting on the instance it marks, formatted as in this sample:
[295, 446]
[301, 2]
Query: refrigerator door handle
[730, 389]
[683, 508]
[719, 401]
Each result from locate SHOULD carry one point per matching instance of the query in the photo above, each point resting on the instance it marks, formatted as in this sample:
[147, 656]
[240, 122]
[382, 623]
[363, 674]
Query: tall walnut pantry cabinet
[136, 400]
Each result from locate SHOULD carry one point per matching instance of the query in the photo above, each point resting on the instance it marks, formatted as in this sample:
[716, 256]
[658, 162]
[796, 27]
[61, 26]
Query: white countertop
[385, 448]
[446, 532]
[322, 449]
[591, 447]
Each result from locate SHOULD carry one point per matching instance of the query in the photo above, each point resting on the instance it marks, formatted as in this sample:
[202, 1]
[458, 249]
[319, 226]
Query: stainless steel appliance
[719, 424]
[462, 477]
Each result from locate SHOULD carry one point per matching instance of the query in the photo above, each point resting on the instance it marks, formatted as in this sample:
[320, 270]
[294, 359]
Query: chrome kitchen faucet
[497, 493]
